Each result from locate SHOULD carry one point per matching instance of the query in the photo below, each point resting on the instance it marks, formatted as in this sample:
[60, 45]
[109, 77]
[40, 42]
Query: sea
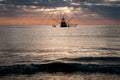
[85, 52]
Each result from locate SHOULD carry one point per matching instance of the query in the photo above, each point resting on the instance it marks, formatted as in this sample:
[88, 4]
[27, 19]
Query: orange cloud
[23, 21]
[43, 20]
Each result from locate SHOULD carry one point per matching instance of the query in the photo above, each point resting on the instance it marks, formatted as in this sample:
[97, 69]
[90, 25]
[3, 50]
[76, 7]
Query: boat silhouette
[64, 23]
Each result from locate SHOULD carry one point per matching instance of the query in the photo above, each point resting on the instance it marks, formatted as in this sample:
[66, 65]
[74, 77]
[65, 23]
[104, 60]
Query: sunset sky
[36, 12]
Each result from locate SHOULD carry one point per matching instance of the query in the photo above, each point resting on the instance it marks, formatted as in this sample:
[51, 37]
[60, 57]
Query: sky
[36, 12]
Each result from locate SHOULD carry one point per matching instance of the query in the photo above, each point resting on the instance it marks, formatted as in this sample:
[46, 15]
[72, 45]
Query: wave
[108, 59]
[58, 67]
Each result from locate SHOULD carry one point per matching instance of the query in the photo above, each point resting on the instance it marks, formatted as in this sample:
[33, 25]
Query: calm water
[44, 44]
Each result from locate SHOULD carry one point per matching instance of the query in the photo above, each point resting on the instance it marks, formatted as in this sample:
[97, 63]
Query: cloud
[41, 3]
[108, 9]
[109, 12]
[84, 9]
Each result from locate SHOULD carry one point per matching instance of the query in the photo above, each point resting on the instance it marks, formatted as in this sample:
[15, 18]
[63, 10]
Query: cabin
[63, 23]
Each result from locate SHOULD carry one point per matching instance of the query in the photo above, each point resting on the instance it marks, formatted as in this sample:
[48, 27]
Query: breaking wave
[58, 67]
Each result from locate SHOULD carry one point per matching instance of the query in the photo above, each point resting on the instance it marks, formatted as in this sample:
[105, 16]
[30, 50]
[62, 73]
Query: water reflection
[41, 43]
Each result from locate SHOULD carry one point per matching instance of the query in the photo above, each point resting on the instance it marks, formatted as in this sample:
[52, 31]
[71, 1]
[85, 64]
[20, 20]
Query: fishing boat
[64, 23]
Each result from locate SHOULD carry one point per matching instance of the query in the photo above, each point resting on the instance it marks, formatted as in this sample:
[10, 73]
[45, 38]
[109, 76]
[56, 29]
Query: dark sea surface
[85, 52]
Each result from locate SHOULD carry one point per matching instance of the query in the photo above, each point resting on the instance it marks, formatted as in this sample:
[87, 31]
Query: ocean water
[92, 50]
